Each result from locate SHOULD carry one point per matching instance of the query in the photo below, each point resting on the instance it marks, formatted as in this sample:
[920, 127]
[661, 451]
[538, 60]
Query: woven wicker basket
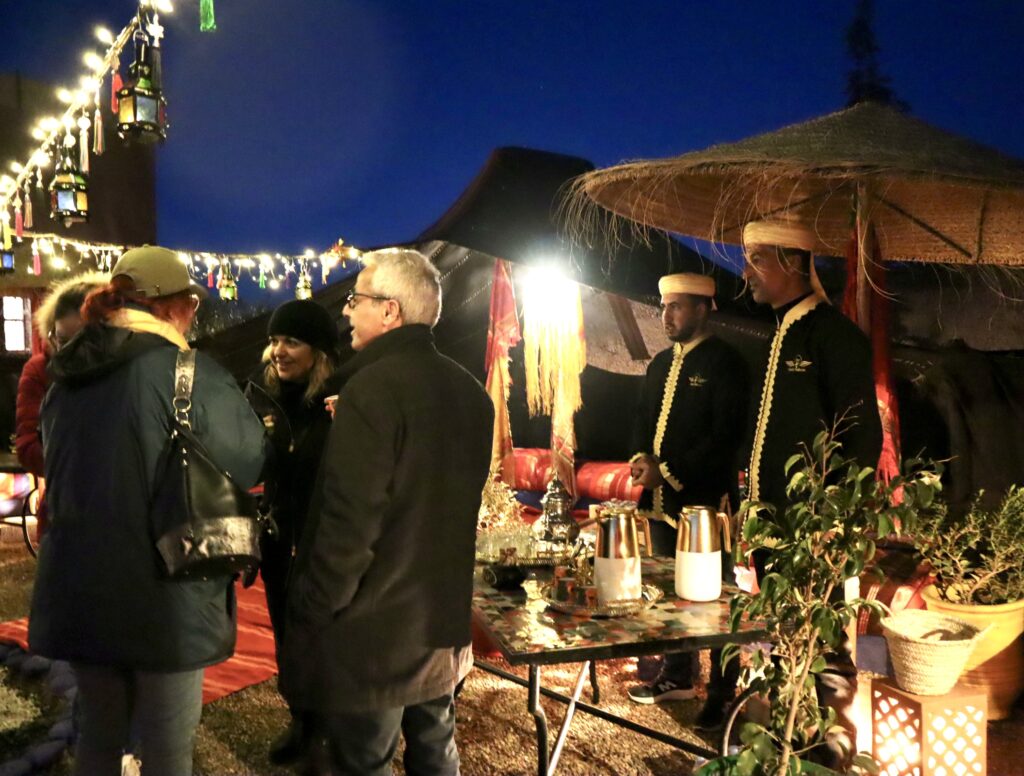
[928, 649]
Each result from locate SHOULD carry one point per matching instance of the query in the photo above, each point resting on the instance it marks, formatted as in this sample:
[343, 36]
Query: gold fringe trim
[555, 352]
[768, 389]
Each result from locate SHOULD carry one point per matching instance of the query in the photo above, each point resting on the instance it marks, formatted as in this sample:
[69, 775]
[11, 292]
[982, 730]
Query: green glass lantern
[304, 286]
[69, 191]
[141, 108]
[227, 288]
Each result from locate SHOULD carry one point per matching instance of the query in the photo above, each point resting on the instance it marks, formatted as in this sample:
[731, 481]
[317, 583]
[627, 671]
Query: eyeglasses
[350, 298]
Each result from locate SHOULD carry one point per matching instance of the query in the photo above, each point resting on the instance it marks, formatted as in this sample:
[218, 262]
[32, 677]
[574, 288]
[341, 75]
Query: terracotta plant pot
[997, 663]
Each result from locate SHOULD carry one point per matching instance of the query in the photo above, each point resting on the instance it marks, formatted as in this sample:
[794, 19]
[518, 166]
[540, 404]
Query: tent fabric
[511, 210]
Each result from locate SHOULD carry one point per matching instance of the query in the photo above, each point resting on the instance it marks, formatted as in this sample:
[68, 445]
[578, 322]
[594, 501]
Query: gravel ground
[495, 734]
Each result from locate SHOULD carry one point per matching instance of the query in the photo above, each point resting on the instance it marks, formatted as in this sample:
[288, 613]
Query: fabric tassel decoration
[19, 226]
[115, 85]
[83, 143]
[98, 146]
[263, 278]
[37, 262]
[207, 22]
[7, 231]
[28, 206]
[210, 280]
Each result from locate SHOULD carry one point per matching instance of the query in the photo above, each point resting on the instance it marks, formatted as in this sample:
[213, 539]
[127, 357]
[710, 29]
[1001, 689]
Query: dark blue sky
[300, 121]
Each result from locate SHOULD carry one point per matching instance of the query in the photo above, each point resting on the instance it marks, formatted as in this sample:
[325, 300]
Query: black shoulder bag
[207, 525]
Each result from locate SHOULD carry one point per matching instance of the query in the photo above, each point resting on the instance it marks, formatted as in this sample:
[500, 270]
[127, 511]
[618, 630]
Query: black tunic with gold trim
[691, 417]
[819, 367]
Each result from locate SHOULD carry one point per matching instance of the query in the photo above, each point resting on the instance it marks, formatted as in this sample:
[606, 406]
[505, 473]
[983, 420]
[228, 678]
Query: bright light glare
[93, 61]
[104, 35]
[545, 286]
[64, 95]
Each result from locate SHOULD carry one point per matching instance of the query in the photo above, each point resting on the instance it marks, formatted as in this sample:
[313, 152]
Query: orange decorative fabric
[532, 468]
[604, 480]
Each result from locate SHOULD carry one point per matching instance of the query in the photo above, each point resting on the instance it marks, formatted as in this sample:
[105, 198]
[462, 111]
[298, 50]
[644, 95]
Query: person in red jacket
[57, 320]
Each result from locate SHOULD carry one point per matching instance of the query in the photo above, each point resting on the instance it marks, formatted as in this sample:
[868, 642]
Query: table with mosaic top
[528, 632]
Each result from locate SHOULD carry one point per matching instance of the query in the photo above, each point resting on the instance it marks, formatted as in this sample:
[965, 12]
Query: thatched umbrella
[930, 195]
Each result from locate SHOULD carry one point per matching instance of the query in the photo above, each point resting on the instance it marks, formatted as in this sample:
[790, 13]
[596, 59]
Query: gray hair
[408, 277]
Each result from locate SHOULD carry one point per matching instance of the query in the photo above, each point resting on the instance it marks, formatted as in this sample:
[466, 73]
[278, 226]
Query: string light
[48, 131]
[274, 269]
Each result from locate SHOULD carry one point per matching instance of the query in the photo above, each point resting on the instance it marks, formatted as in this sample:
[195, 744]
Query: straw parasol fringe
[938, 197]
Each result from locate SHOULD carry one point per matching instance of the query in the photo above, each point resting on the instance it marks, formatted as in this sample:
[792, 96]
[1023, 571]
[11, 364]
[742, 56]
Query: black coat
[297, 434]
[100, 593]
[823, 374]
[379, 603]
[705, 426]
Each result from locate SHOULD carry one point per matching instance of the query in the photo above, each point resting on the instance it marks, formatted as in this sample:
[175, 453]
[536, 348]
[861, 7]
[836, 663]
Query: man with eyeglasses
[688, 431]
[378, 634]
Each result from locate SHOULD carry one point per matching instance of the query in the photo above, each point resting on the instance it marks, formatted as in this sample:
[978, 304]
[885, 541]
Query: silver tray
[650, 595]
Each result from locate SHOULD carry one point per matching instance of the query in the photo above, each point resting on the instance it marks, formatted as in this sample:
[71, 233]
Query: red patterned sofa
[596, 481]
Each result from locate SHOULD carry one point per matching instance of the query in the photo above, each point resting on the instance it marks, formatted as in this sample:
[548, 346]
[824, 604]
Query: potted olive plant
[825, 535]
[979, 577]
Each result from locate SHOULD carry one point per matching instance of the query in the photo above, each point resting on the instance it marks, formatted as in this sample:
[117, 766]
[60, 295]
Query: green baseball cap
[155, 271]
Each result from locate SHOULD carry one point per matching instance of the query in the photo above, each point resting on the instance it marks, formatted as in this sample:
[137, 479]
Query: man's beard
[683, 335]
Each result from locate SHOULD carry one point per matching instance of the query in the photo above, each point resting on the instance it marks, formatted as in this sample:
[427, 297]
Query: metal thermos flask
[617, 555]
[699, 553]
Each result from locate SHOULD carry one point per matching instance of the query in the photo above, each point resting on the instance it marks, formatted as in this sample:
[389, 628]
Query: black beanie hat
[307, 321]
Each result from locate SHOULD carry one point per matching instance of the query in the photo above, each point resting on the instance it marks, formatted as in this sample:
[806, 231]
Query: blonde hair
[408, 277]
[46, 313]
[323, 367]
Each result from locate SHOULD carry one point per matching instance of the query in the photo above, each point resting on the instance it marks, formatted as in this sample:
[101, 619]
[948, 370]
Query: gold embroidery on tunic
[768, 389]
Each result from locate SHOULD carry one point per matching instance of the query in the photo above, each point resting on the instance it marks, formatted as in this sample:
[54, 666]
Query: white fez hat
[785, 233]
[687, 283]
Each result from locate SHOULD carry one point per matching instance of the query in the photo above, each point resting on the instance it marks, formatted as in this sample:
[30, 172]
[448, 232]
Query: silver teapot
[556, 524]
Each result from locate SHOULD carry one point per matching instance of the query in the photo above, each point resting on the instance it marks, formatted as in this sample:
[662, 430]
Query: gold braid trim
[679, 352]
[768, 389]
[669, 477]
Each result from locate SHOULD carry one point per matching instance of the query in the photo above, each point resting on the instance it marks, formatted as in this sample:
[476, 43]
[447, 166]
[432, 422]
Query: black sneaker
[661, 690]
[711, 717]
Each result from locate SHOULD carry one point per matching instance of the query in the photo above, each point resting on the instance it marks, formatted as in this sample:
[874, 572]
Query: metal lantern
[69, 190]
[141, 108]
[304, 286]
[227, 288]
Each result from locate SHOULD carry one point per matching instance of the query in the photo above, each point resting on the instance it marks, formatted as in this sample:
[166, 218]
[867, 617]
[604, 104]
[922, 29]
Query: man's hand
[645, 472]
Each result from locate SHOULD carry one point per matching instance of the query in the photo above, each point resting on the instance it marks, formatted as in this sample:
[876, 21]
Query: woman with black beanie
[288, 392]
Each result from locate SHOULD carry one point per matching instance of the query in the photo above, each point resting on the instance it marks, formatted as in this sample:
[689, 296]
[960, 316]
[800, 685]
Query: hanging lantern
[304, 284]
[227, 288]
[141, 108]
[69, 190]
[7, 261]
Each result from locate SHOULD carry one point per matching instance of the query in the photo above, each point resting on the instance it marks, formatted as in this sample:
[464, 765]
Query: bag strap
[184, 373]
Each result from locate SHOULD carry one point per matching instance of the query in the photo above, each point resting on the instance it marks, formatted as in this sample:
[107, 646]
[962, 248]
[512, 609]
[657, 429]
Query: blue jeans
[365, 744]
[161, 711]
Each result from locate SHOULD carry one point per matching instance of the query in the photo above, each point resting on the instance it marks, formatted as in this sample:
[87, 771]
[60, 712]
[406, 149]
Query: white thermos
[617, 555]
[699, 553]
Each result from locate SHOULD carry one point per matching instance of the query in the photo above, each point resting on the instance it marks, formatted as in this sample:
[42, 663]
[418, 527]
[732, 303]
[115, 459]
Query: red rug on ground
[252, 663]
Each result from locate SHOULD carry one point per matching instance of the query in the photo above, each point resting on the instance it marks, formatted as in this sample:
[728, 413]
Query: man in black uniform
[688, 429]
[818, 373]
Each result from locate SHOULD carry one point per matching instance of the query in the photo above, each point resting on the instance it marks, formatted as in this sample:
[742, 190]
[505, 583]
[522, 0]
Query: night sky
[301, 121]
